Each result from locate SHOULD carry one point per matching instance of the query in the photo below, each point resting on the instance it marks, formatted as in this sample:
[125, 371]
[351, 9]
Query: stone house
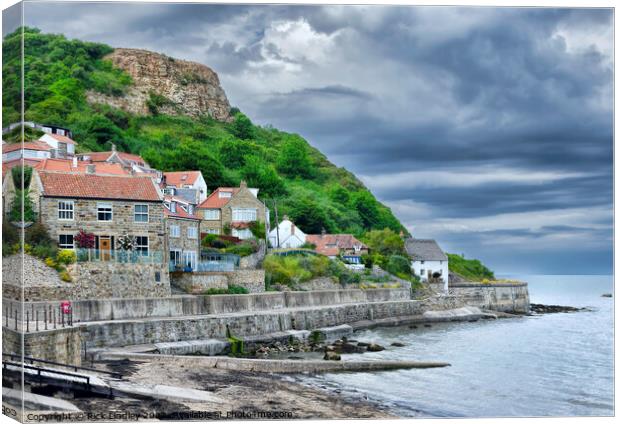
[190, 185]
[286, 235]
[334, 245]
[182, 233]
[233, 208]
[108, 206]
[428, 260]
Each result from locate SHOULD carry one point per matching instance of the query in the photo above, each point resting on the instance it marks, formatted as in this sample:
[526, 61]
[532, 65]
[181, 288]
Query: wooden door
[105, 246]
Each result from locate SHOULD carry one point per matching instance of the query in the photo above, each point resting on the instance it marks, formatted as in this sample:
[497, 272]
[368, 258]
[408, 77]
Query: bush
[43, 251]
[50, 262]
[237, 290]
[215, 291]
[15, 215]
[37, 235]
[258, 230]
[398, 265]
[85, 240]
[64, 276]
[16, 173]
[207, 241]
[66, 257]
[242, 249]
[10, 234]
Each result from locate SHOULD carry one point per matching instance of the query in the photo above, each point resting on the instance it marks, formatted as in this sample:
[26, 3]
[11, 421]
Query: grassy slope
[59, 71]
[471, 269]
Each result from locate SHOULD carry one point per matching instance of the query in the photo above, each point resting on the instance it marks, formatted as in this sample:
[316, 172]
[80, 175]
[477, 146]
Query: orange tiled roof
[28, 145]
[181, 177]
[104, 156]
[131, 157]
[62, 138]
[330, 244]
[214, 201]
[57, 184]
[66, 165]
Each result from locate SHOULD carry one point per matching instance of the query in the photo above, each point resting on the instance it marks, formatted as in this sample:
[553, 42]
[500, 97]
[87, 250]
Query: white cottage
[287, 235]
[428, 260]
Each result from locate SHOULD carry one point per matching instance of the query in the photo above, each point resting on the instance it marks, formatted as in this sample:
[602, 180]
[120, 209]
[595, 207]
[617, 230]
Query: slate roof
[77, 185]
[424, 250]
[180, 211]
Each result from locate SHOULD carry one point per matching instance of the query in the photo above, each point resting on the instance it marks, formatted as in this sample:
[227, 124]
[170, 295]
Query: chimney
[74, 162]
[113, 147]
[243, 184]
[323, 232]
[90, 169]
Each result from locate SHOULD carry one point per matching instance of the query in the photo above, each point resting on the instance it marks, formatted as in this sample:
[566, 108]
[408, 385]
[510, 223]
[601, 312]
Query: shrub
[43, 251]
[214, 290]
[16, 173]
[66, 257]
[64, 276]
[398, 265]
[241, 249]
[50, 262]
[258, 230]
[37, 235]
[207, 241]
[15, 215]
[10, 234]
[85, 240]
[237, 290]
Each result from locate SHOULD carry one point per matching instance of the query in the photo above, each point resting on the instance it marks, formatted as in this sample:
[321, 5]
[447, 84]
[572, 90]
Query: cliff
[162, 84]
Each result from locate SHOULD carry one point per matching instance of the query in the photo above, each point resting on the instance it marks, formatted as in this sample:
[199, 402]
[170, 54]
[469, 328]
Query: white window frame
[136, 213]
[178, 256]
[175, 231]
[140, 246]
[66, 210]
[225, 194]
[244, 214]
[66, 245]
[243, 233]
[212, 214]
[190, 256]
[192, 232]
[213, 231]
[105, 206]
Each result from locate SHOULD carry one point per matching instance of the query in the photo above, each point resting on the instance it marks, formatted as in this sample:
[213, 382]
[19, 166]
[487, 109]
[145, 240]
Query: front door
[105, 246]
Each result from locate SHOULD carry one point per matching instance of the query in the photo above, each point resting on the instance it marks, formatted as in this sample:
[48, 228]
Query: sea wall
[175, 306]
[502, 297]
[198, 282]
[62, 345]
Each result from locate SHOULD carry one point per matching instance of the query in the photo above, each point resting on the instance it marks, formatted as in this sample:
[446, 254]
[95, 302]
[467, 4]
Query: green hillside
[309, 188]
[471, 269]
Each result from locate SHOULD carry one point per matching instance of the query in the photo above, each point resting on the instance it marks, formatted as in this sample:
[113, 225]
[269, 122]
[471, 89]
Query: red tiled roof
[67, 166]
[327, 244]
[214, 201]
[180, 213]
[6, 166]
[181, 177]
[28, 145]
[62, 138]
[57, 184]
[131, 157]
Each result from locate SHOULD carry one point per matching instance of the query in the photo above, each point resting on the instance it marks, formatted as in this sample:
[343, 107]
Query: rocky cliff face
[166, 85]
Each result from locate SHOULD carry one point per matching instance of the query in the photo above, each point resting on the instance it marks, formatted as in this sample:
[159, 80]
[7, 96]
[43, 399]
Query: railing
[208, 266]
[119, 256]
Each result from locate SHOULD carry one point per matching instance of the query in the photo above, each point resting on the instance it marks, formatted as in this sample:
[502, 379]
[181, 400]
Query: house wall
[85, 217]
[243, 199]
[184, 243]
[201, 186]
[432, 266]
[286, 238]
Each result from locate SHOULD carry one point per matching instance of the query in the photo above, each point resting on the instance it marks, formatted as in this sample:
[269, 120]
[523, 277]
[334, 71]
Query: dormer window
[225, 194]
[173, 207]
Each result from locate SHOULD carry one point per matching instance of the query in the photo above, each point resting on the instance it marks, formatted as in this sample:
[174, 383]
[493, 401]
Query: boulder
[606, 295]
[373, 347]
[398, 344]
[331, 356]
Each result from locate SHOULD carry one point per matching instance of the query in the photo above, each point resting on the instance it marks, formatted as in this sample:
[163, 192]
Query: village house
[108, 206]
[339, 245]
[127, 160]
[234, 209]
[428, 261]
[182, 233]
[286, 235]
[189, 185]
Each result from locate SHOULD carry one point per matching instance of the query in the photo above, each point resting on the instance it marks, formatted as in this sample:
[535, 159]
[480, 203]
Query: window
[192, 232]
[225, 194]
[244, 215]
[65, 241]
[65, 210]
[142, 245]
[169, 190]
[422, 262]
[189, 258]
[141, 213]
[104, 211]
[422, 272]
[175, 256]
[175, 231]
[212, 214]
[213, 230]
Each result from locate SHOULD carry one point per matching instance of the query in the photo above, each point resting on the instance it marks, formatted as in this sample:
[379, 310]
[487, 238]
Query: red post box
[65, 306]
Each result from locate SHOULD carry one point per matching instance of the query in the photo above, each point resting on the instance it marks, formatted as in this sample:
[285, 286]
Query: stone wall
[254, 260]
[39, 280]
[62, 345]
[101, 280]
[198, 282]
[183, 242]
[501, 297]
[319, 283]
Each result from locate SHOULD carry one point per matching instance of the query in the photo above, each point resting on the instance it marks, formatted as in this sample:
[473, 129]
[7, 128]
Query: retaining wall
[503, 297]
[199, 282]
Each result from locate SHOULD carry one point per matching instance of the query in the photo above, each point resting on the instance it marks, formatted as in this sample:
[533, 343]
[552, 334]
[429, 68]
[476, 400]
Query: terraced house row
[117, 198]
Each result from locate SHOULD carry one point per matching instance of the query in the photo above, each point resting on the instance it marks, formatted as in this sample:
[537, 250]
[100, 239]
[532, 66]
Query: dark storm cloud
[444, 111]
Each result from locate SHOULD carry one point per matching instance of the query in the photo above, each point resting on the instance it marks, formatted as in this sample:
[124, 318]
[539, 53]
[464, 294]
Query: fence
[32, 319]
[209, 262]
[119, 256]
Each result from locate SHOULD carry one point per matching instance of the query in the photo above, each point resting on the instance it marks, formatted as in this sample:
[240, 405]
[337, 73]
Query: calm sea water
[550, 365]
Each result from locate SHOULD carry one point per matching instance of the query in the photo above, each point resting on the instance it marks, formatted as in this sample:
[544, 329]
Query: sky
[487, 129]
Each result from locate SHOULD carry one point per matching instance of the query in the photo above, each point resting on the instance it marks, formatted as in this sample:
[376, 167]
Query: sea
[552, 365]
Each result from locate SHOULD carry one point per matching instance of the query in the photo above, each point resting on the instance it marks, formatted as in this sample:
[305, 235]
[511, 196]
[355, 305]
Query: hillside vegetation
[470, 269]
[310, 189]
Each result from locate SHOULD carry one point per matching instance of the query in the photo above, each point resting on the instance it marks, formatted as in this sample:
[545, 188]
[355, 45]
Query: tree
[232, 153]
[17, 173]
[385, 242]
[242, 127]
[22, 197]
[340, 195]
[367, 208]
[308, 215]
[293, 159]
[261, 175]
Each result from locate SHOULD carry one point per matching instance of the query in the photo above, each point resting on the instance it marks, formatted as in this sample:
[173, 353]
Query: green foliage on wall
[471, 269]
